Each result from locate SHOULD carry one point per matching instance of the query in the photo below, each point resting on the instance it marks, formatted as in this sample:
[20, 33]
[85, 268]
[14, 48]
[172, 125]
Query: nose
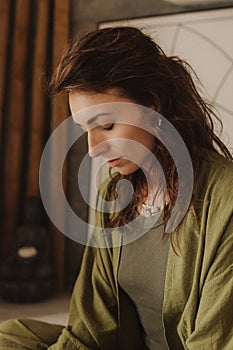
[96, 144]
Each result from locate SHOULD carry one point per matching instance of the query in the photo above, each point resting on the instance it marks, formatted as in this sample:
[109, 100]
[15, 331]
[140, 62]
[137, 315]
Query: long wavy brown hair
[126, 59]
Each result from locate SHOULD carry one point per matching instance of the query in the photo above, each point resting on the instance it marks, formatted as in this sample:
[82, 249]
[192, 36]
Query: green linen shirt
[198, 296]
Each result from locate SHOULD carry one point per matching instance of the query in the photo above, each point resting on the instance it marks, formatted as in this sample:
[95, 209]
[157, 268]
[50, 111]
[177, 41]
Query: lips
[114, 162]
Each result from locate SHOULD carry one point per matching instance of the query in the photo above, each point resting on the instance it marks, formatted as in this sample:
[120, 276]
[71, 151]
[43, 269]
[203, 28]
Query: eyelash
[108, 127]
[105, 128]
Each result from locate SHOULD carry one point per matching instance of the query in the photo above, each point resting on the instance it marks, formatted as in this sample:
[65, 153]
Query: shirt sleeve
[93, 320]
[96, 322]
[213, 327]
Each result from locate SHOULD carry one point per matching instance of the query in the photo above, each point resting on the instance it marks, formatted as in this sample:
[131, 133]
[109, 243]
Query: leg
[26, 334]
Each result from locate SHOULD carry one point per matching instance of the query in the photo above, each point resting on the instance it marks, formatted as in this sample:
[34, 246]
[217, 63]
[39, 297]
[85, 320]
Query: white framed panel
[205, 40]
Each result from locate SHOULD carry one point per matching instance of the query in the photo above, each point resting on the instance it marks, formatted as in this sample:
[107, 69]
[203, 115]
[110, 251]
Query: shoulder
[105, 200]
[106, 193]
[215, 164]
[212, 198]
[209, 217]
[213, 176]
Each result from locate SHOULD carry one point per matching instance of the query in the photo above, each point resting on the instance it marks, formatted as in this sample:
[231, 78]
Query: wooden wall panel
[16, 118]
[33, 34]
[4, 38]
[39, 111]
[59, 113]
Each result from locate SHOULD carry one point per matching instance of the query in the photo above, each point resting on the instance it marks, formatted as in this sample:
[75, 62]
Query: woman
[155, 292]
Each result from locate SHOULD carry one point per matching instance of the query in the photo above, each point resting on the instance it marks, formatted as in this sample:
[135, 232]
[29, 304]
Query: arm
[95, 319]
[214, 319]
[93, 309]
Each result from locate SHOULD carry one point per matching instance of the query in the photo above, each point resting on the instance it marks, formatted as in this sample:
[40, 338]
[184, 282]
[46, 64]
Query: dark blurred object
[27, 273]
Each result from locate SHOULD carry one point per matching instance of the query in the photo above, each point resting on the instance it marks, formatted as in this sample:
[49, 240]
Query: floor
[53, 310]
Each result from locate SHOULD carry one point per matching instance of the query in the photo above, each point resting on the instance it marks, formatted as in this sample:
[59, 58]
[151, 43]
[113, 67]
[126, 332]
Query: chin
[128, 170]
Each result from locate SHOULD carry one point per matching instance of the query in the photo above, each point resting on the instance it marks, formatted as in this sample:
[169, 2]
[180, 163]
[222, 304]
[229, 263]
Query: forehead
[83, 100]
[110, 107]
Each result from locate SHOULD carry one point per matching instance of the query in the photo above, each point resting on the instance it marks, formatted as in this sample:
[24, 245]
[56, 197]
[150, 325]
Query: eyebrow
[90, 121]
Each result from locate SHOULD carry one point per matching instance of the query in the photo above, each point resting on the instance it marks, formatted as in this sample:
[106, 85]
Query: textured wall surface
[87, 13]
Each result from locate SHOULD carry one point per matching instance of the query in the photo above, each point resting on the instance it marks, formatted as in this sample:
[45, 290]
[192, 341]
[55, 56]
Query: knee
[7, 326]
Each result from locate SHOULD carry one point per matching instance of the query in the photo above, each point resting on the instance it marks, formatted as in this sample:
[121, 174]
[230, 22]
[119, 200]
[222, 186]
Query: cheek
[147, 139]
[140, 136]
[151, 143]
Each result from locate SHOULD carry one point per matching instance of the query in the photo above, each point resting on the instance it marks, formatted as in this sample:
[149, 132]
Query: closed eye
[108, 126]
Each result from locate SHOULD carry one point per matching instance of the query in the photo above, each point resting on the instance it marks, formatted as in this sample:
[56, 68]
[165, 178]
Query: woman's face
[118, 143]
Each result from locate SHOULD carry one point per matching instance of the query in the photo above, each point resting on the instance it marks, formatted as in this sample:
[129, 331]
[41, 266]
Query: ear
[156, 106]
